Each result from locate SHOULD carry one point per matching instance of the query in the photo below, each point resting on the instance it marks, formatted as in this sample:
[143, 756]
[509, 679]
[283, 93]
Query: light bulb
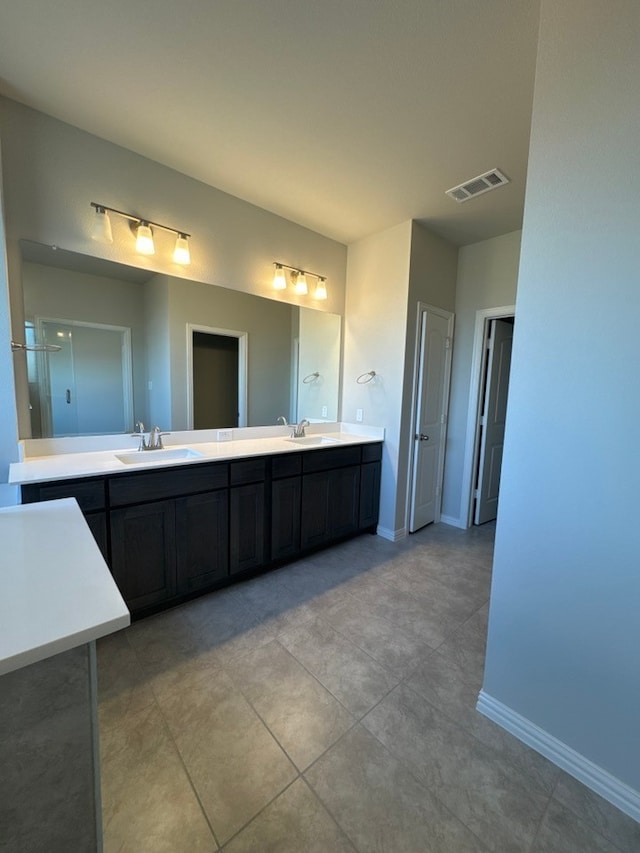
[181, 254]
[301, 284]
[279, 281]
[144, 240]
[102, 226]
[321, 289]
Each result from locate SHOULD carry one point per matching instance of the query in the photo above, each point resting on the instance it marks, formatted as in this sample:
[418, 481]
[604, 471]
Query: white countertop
[59, 466]
[56, 591]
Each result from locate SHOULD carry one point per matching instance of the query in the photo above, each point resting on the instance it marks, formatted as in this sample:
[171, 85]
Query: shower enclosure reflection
[127, 354]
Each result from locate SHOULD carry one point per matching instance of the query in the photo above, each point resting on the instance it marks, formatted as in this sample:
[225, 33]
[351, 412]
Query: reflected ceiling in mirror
[127, 351]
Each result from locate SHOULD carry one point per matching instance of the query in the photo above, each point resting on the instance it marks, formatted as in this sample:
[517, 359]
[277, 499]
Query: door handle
[422, 437]
[68, 395]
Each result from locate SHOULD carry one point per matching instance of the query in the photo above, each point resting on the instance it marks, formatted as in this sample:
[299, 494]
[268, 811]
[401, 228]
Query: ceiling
[347, 116]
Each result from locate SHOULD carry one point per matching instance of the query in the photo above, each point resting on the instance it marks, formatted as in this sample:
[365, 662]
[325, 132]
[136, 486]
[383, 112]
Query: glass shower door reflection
[85, 387]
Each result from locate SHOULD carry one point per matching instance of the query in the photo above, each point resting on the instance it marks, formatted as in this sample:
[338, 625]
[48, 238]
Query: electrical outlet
[325, 411]
[359, 414]
[150, 385]
[225, 434]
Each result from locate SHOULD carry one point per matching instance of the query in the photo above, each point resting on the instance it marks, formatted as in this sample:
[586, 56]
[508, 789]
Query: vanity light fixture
[102, 226]
[142, 228]
[299, 280]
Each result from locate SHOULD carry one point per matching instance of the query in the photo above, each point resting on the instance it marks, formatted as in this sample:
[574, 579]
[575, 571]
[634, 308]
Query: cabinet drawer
[90, 494]
[288, 465]
[371, 453]
[248, 471]
[336, 457]
[157, 485]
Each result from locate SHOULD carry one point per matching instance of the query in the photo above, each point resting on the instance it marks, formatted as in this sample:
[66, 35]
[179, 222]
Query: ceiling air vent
[476, 186]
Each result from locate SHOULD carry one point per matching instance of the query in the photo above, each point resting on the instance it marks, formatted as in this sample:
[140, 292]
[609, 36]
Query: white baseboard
[609, 787]
[392, 535]
[454, 522]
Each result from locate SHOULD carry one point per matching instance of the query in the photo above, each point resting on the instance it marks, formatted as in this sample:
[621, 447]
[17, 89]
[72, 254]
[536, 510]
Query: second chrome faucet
[151, 442]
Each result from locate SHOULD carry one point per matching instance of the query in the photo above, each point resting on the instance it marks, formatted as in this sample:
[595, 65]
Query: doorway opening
[488, 396]
[217, 378]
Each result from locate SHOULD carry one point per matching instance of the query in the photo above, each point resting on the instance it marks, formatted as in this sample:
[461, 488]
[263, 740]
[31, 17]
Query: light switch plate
[225, 434]
[359, 414]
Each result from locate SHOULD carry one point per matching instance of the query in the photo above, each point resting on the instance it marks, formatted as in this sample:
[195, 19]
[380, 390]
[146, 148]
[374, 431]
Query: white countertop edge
[56, 591]
[60, 466]
[64, 644]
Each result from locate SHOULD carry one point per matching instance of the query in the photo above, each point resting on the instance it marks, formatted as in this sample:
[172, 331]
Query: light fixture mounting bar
[140, 220]
[298, 270]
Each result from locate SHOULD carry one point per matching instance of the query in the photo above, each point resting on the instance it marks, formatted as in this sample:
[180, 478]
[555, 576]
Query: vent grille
[477, 186]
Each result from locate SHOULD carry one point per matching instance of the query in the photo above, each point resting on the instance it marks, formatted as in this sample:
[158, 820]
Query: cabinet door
[369, 495]
[246, 528]
[285, 517]
[314, 521]
[143, 553]
[344, 501]
[97, 523]
[202, 540]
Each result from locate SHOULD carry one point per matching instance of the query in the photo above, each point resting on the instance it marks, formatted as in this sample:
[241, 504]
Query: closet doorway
[488, 397]
[217, 381]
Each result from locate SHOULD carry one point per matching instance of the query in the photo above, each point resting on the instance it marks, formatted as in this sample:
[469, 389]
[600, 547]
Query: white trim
[392, 535]
[422, 308]
[454, 522]
[471, 447]
[243, 363]
[618, 793]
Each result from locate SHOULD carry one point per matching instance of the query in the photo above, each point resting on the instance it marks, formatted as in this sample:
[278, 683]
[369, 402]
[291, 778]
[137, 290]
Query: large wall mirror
[141, 346]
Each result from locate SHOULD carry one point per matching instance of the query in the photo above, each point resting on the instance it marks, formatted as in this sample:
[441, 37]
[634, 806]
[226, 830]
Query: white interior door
[434, 370]
[493, 420]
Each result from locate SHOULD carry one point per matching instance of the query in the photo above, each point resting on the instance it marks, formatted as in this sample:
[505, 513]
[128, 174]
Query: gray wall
[564, 631]
[487, 278]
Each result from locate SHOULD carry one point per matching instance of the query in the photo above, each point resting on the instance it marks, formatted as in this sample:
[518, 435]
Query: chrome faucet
[282, 420]
[155, 439]
[139, 433]
[298, 431]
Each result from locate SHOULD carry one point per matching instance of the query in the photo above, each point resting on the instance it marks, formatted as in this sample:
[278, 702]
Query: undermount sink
[153, 457]
[310, 440]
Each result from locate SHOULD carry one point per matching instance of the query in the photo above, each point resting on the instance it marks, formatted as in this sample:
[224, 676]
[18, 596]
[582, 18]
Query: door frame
[243, 362]
[422, 307]
[472, 444]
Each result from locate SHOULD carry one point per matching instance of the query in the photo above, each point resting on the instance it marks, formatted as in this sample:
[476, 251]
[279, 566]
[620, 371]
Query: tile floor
[327, 707]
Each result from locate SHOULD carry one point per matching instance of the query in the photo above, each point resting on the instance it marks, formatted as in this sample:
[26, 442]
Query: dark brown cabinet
[170, 533]
[143, 553]
[202, 543]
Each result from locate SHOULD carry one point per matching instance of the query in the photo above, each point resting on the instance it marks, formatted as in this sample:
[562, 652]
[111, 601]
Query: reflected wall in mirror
[128, 351]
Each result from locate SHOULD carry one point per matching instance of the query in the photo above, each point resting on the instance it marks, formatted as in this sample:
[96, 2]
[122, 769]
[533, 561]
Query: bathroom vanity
[170, 527]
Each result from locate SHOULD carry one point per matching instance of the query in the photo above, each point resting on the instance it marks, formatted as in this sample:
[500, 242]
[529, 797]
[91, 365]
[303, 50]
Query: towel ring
[311, 378]
[369, 376]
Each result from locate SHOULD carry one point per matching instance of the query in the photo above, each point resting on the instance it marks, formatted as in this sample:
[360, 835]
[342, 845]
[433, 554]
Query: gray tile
[162, 641]
[380, 805]
[465, 648]
[390, 645]
[294, 822]
[599, 814]
[345, 670]
[302, 715]
[123, 688]
[234, 763]
[500, 805]
[148, 804]
[442, 684]
[562, 832]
